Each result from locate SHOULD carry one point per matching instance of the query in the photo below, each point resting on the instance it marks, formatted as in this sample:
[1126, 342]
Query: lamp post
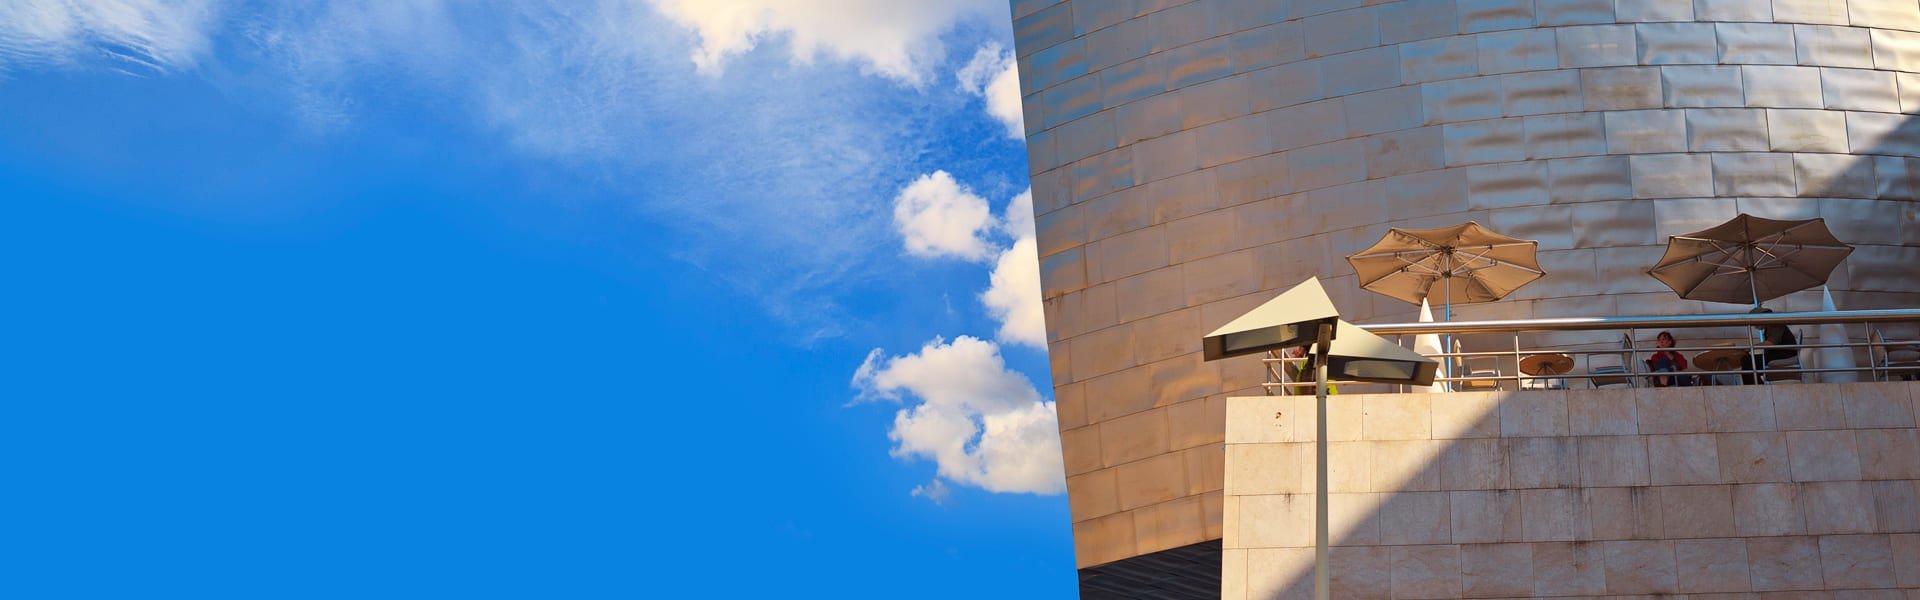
[1305, 315]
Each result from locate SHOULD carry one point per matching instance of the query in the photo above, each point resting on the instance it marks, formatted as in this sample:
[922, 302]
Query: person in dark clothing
[1770, 335]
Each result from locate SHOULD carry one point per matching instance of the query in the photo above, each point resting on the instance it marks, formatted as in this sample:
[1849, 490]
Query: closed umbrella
[1462, 264]
[1428, 344]
[1832, 334]
[1749, 260]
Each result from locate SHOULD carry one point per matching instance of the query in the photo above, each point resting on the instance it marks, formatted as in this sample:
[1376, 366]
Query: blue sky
[603, 299]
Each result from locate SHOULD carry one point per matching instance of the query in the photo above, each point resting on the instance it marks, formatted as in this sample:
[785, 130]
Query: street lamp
[1304, 315]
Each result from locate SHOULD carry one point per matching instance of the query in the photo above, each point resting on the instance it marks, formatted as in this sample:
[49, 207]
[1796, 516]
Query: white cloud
[981, 423]
[938, 218]
[898, 39]
[1013, 296]
[935, 491]
[994, 76]
[157, 35]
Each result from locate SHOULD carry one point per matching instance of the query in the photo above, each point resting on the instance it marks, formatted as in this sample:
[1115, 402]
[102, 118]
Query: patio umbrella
[1750, 260]
[1464, 263]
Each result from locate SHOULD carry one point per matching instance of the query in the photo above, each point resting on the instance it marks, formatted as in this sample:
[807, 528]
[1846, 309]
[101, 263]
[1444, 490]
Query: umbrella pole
[1753, 287]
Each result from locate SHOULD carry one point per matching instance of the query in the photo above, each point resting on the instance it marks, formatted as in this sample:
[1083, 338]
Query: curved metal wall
[1190, 157]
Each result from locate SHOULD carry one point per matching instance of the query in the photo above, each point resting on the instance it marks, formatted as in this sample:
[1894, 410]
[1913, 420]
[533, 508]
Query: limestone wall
[1592, 493]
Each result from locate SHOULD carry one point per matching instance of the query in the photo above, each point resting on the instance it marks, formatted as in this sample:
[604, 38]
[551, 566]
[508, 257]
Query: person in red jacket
[1668, 361]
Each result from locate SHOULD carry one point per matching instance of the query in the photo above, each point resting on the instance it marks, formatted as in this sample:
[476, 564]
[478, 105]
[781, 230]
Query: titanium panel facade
[1191, 157]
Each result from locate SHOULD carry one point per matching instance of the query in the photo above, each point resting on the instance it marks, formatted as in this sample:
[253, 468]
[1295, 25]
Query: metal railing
[1465, 371]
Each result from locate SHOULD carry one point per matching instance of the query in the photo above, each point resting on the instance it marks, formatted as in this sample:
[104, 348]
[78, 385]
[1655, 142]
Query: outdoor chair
[1483, 371]
[1611, 369]
[1791, 362]
[1897, 359]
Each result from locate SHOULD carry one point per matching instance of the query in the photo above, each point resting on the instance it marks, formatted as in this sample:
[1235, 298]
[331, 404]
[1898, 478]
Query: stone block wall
[1804, 491]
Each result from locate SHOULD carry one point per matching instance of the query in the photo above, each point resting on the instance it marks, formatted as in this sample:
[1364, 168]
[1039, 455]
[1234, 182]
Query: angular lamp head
[1291, 319]
[1363, 356]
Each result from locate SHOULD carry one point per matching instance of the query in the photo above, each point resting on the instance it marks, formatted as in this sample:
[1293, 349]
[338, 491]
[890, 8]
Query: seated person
[1668, 361]
[1302, 372]
[1770, 335]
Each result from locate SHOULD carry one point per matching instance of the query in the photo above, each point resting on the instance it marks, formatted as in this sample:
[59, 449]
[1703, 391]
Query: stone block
[1700, 511]
[1703, 566]
[1285, 521]
[1416, 518]
[1784, 563]
[1278, 573]
[1874, 405]
[1267, 468]
[1544, 462]
[1478, 464]
[1405, 465]
[1552, 515]
[1482, 517]
[1496, 570]
[1625, 513]
[1906, 559]
[1823, 455]
[1888, 454]
[1426, 571]
[1640, 567]
[1834, 507]
[1768, 509]
[1609, 461]
[1363, 572]
[1757, 457]
[1397, 417]
[1569, 569]
[1857, 561]
[1602, 412]
[1683, 459]
[1894, 505]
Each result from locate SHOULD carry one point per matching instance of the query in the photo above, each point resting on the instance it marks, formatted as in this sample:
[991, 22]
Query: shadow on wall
[1584, 493]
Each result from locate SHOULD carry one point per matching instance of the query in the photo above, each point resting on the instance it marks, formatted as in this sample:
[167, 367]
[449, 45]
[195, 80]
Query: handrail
[1647, 322]
[1629, 372]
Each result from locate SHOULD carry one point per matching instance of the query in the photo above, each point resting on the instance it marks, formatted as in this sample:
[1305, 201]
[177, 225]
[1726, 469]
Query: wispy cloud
[981, 423]
[134, 35]
[993, 75]
[898, 39]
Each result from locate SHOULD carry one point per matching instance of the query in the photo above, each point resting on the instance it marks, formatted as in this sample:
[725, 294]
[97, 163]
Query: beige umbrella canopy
[1750, 260]
[1463, 264]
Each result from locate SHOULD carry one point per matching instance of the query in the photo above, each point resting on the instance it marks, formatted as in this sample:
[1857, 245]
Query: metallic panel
[1671, 175]
[1616, 223]
[1597, 46]
[1070, 100]
[1233, 141]
[1890, 14]
[1807, 131]
[1056, 64]
[1133, 80]
[1833, 176]
[1896, 178]
[1591, 178]
[1384, 110]
[1264, 47]
[1413, 20]
[1523, 50]
[1726, 129]
[1675, 43]
[1199, 62]
[1120, 43]
[1497, 140]
[1895, 50]
[1356, 72]
[1733, 10]
[1540, 92]
[1909, 84]
[1466, 99]
[1181, 25]
[1043, 29]
[1327, 164]
[1557, 136]
[1859, 89]
[1881, 133]
[1810, 11]
[1753, 174]
[1622, 88]
[1701, 86]
[1403, 152]
[1494, 15]
[1645, 131]
[1164, 157]
[1782, 87]
[1215, 101]
[1573, 12]
[1286, 85]
[1829, 46]
[1636, 11]
[1755, 43]
[1343, 31]
[1444, 58]
[1507, 185]
[1307, 124]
